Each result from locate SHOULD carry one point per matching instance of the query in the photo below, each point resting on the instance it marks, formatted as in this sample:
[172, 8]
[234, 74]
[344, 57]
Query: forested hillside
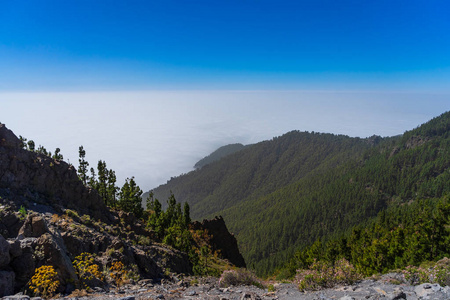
[218, 154]
[284, 194]
[415, 226]
[260, 169]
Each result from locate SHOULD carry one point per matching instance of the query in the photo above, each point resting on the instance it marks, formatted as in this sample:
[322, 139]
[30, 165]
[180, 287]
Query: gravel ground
[208, 288]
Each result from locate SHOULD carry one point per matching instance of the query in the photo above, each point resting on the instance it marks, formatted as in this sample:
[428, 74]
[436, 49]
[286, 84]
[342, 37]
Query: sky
[151, 87]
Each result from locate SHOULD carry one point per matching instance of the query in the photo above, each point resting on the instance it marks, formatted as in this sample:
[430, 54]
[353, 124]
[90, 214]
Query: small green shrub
[133, 273]
[323, 274]
[284, 274]
[144, 240]
[110, 251]
[86, 220]
[239, 277]
[345, 272]
[438, 272]
[270, 288]
[415, 275]
[72, 213]
[22, 212]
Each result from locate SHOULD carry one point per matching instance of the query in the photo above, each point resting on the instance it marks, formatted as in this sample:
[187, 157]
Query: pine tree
[186, 215]
[58, 155]
[92, 179]
[83, 166]
[111, 189]
[41, 150]
[31, 145]
[24, 142]
[102, 181]
[130, 198]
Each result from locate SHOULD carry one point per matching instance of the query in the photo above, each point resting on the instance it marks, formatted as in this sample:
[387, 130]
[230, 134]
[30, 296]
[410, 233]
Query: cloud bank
[154, 135]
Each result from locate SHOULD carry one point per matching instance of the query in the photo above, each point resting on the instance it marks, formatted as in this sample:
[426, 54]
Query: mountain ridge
[271, 190]
[218, 154]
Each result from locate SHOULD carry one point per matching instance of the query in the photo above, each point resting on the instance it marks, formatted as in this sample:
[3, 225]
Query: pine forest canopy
[270, 192]
[218, 154]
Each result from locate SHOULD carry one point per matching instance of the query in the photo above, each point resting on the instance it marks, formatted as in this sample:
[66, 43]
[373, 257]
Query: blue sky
[153, 86]
[242, 44]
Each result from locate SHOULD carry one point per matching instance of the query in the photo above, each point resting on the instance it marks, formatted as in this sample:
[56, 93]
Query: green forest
[304, 193]
[404, 234]
[218, 154]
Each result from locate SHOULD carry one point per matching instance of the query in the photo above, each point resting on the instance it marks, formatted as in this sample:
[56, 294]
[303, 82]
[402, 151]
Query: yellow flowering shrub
[88, 271]
[118, 273]
[44, 282]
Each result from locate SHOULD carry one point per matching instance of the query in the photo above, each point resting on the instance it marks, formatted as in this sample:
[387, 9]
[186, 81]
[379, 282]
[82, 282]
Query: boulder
[396, 295]
[54, 254]
[34, 226]
[250, 296]
[147, 266]
[24, 264]
[10, 223]
[14, 250]
[222, 240]
[6, 283]
[426, 289]
[166, 258]
[4, 252]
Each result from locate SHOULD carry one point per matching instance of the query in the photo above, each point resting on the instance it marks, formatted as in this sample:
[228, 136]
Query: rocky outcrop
[4, 252]
[31, 179]
[6, 282]
[34, 226]
[222, 240]
[8, 138]
[416, 141]
[53, 254]
[24, 264]
[56, 240]
[61, 219]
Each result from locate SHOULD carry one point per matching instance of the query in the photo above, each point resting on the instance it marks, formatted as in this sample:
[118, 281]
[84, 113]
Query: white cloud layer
[154, 135]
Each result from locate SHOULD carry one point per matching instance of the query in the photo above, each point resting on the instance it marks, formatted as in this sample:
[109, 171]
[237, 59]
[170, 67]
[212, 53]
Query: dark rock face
[24, 264]
[6, 283]
[30, 178]
[10, 223]
[4, 252]
[34, 226]
[50, 234]
[222, 240]
[53, 254]
[8, 138]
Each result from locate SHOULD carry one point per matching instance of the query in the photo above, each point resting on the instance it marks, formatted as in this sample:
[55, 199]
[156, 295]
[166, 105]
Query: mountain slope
[283, 194]
[218, 154]
[260, 169]
[328, 205]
